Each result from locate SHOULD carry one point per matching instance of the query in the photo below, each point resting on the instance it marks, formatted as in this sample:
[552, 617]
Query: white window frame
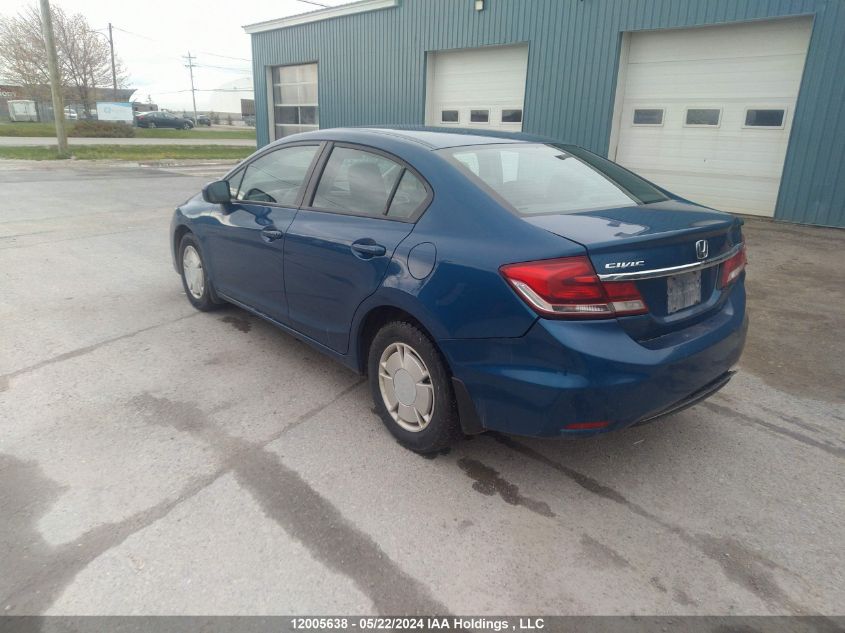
[662, 116]
[765, 127]
[501, 113]
[271, 94]
[486, 109]
[450, 109]
[702, 125]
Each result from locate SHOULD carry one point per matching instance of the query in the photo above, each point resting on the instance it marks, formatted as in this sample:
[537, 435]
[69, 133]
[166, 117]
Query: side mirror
[217, 192]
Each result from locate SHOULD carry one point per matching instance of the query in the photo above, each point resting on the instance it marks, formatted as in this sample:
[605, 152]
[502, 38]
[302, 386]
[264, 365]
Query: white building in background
[226, 99]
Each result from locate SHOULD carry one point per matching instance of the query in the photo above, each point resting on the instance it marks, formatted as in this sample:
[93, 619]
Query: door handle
[270, 234]
[367, 249]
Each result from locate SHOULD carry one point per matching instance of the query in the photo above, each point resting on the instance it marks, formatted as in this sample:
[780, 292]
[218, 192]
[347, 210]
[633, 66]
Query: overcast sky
[152, 36]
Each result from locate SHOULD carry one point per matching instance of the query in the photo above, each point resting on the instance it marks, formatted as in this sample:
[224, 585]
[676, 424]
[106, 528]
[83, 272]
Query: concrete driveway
[156, 460]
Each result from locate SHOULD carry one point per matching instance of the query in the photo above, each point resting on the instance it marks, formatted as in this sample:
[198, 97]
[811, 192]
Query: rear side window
[277, 177]
[356, 181]
[410, 194]
[536, 179]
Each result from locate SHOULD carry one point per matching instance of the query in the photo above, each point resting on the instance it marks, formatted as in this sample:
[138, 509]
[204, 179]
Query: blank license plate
[683, 291]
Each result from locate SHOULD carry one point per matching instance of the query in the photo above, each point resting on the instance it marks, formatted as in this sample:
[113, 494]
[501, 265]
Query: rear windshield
[536, 179]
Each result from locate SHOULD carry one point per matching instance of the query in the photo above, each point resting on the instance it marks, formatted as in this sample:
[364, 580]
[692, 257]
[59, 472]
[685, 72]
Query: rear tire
[412, 388]
[194, 275]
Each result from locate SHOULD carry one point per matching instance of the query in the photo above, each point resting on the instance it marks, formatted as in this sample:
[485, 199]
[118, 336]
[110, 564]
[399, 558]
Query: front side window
[295, 106]
[536, 179]
[355, 181]
[277, 177]
[235, 183]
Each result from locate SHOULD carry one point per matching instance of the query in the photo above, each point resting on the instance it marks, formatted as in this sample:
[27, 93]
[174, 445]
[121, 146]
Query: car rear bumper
[575, 372]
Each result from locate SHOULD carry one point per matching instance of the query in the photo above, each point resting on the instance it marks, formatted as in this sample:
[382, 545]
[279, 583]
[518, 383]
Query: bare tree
[84, 59]
[23, 58]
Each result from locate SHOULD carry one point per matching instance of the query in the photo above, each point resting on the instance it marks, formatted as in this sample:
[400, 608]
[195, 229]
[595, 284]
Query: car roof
[432, 138]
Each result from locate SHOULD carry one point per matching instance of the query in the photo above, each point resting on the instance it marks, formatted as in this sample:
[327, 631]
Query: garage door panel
[760, 77]
[491, 78]
[747, 39]
[752, 196]
[730, 68]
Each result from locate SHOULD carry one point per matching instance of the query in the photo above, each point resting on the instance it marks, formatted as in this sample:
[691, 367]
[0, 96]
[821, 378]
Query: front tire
[195, 275]
[412, 389]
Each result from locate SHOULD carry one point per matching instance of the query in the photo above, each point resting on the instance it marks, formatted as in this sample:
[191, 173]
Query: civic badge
[702, 249]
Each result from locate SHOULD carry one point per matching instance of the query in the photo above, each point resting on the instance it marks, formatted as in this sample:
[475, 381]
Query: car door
[247, 241]
[339, 245]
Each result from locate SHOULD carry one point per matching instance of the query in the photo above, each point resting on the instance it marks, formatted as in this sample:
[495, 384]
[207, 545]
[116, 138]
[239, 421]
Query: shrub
[102, 129]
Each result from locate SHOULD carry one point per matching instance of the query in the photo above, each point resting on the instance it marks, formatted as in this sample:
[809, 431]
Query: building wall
[372, 71]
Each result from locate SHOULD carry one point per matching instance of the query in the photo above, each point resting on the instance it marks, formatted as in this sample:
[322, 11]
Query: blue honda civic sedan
[480, 281]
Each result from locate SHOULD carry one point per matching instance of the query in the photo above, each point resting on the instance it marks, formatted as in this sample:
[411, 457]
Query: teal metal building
[737, 104]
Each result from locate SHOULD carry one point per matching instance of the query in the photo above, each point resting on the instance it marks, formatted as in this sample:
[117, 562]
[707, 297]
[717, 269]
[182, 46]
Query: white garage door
[707, 112]
[477, 87]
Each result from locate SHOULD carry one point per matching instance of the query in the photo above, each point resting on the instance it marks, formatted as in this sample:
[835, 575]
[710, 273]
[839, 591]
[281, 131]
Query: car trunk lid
[664, 247]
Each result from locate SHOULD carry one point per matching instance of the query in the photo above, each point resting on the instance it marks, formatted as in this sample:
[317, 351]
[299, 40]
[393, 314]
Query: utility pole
[113, 71]
[190, 68]
[55, 80]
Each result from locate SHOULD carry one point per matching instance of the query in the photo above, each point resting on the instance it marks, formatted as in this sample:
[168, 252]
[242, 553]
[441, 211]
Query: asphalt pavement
[38, 141]
[158, 460]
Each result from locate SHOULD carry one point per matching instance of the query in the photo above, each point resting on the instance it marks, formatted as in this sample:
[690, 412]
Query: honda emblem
[702, 249]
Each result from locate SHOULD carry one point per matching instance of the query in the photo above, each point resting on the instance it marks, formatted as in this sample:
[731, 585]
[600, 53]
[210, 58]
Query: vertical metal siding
[372, 71]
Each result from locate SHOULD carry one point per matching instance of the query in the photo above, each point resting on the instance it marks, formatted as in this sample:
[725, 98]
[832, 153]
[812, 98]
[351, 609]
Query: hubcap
[406, 388]
[192, 269]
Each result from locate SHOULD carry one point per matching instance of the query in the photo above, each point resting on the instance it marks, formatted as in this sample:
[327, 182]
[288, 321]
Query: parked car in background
[480, 281]
[202, 119]
[249, 120]
[163, 119]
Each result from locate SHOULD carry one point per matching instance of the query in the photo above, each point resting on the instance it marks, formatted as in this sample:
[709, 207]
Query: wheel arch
[373, 320]
[178, 233]
[379, 315]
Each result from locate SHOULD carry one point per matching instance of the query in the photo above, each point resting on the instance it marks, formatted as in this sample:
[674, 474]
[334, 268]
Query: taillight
[732, 268]
[569, 288]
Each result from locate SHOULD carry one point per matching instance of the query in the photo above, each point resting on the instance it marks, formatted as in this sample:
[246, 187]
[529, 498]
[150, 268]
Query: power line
[154, 39]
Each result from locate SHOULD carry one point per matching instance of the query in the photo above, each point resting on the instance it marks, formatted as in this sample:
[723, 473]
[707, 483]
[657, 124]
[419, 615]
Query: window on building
[479, 116]
[448, 116]
[703, 116]
[773, 118]
[277, 177]
[648, 116]
[295, 106]
[355, 181]
[512, 115]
